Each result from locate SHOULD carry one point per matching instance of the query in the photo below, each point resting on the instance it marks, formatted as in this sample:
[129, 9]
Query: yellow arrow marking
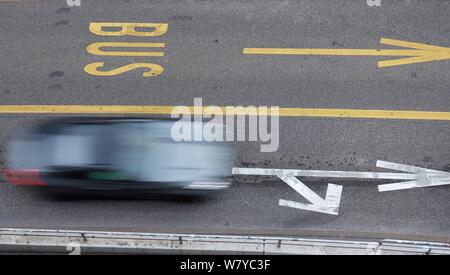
[416, 53]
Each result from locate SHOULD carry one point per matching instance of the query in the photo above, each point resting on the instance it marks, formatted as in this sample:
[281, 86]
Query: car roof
[75, 120]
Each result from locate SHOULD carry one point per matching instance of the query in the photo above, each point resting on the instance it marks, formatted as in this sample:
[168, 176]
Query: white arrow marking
[324, 174]
[415, 177]
[329, 205]
[310, 207]
[406, 168]
[428, 180]
[424, 177]
[303, 190]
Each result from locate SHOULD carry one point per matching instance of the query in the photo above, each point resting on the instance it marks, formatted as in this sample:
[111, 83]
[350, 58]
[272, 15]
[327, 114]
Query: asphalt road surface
[43, 53]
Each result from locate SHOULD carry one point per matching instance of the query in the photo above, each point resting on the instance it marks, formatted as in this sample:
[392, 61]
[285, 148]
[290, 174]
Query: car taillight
[27, 177]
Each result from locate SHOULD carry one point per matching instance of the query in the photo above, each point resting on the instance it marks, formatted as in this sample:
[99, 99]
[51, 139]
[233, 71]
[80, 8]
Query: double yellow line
[167, 110]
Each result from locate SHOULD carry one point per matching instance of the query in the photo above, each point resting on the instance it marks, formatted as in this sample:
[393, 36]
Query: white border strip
[63, 241]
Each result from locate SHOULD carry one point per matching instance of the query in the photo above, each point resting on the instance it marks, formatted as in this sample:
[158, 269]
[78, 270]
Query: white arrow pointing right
[412, 176]
[425, 177]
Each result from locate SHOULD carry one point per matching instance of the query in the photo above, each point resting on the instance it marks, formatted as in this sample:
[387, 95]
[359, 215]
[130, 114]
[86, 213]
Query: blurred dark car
[117, 154]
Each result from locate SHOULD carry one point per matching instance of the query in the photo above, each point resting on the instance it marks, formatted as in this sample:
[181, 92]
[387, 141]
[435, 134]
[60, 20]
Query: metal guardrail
[92, 242]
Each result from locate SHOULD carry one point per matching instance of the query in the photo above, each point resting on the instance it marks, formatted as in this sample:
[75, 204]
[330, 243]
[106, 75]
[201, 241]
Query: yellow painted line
[348, 52]
[167, 110]
[417, 53]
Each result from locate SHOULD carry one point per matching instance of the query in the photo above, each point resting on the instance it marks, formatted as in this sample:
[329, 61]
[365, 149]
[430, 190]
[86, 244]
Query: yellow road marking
[417, 53]
[151, 69]
[128, 29]
[167, 110]
[95, 48]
